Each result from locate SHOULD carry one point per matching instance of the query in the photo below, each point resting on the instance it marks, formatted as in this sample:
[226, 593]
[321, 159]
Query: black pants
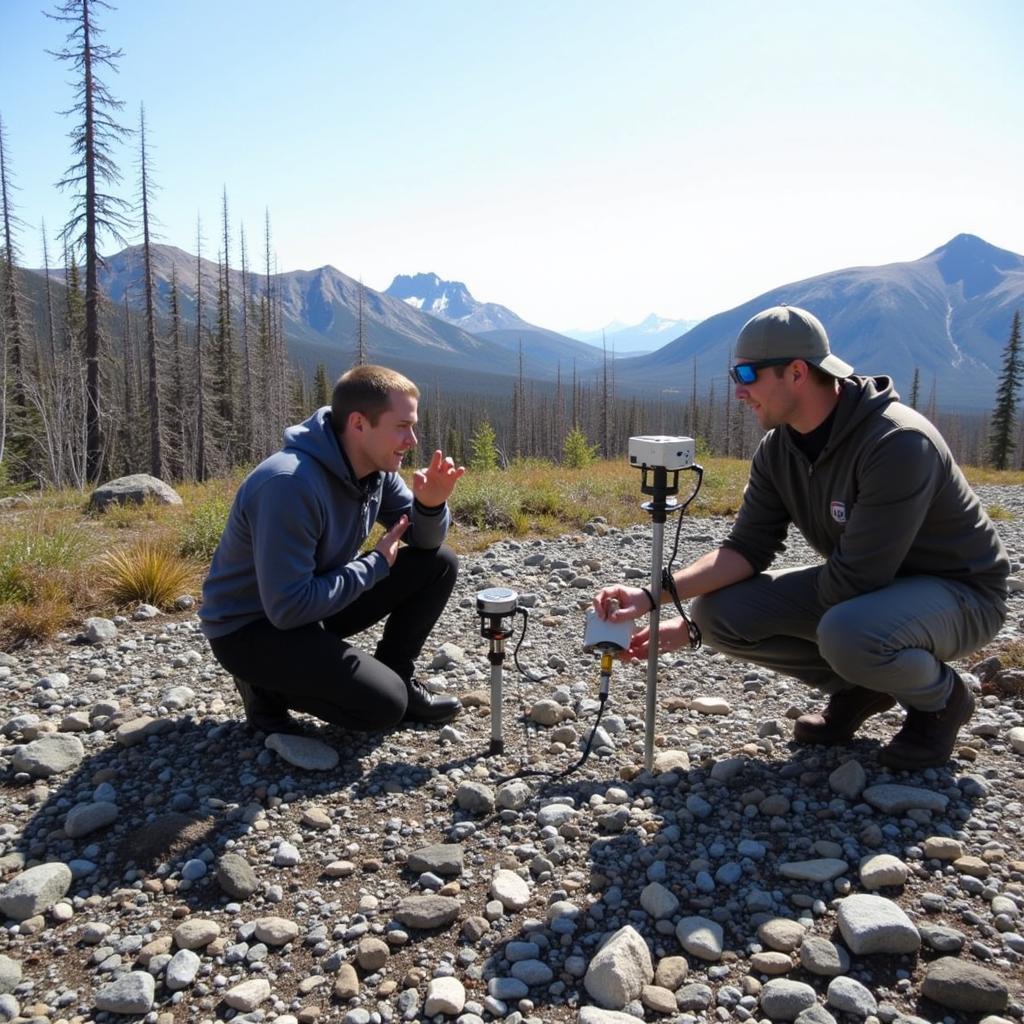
[315, 669]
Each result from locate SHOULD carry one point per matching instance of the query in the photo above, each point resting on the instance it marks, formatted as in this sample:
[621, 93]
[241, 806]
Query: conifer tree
[1001, 442]
[577, 451]
[361, 329]
[321, 387]
[483, 444]
[96, 211]
[915, 388]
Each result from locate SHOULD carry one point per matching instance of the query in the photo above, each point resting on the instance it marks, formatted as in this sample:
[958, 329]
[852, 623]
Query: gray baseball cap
[788, 331]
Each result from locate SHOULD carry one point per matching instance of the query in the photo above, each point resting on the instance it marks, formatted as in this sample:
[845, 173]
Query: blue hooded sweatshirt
[290, 550]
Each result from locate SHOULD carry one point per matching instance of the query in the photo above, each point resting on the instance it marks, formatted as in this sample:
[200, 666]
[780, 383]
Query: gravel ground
[158, 861]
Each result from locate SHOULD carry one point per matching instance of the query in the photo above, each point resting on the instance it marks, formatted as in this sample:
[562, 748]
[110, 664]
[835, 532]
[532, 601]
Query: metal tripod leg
[657, 543]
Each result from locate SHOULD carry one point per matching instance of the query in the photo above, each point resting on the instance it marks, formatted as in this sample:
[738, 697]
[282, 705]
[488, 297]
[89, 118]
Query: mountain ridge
[946, 315]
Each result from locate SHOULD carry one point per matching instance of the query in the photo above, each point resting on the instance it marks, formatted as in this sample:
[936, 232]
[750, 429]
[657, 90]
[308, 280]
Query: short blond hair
[367, 389]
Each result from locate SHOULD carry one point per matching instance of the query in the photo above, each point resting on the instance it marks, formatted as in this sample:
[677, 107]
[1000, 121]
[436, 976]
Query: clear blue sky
[576, 161]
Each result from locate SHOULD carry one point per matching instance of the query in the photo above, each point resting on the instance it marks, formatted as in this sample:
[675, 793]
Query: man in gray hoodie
[914, 574]
[288, 585]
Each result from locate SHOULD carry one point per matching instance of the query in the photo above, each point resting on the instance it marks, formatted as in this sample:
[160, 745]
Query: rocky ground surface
[158, 861]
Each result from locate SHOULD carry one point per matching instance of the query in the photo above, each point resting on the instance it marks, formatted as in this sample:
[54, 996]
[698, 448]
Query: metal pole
[657, 543]
[496, 656]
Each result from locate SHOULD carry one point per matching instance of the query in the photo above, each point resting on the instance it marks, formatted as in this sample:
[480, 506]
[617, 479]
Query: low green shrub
[200, 531]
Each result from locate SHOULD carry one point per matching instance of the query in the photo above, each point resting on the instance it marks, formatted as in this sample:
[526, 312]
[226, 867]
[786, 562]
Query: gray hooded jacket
[290, 550]
[885, 498]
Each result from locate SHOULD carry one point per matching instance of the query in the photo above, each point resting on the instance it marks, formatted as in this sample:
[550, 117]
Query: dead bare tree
[95, 211]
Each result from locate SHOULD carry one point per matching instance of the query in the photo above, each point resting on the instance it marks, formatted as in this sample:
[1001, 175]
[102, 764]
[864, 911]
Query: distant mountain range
[947, 315]
[635, 339]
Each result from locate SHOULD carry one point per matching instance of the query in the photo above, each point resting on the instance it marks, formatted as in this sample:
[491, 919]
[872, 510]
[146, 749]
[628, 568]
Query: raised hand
[433, 486]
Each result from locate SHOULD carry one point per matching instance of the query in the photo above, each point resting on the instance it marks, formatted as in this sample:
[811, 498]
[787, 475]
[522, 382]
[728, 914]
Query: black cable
[667, 576]
[550, 773]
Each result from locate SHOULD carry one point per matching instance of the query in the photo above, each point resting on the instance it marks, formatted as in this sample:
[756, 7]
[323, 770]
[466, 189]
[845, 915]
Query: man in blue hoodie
[288, 585]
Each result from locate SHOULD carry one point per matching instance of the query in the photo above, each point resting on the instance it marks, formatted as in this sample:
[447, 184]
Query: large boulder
[134, 489]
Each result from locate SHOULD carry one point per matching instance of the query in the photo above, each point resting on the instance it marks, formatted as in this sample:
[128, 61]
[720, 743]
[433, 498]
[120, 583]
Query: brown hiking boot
[846, 712]
[927, 737]
[263, 713]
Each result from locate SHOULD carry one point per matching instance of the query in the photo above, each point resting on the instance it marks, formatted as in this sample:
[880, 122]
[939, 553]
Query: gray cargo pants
[896, 640]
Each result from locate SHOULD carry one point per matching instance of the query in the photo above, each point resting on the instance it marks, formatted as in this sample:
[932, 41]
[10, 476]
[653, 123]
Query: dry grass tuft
[43, 579]
[148, 572]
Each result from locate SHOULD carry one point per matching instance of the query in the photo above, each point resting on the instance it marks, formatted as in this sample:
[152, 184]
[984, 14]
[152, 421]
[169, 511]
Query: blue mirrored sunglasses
[746, 373]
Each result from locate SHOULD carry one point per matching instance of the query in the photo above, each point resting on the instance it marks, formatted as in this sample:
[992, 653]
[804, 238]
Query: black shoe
[927, 737]
[263, 713]
[425, 706]
[846, 712]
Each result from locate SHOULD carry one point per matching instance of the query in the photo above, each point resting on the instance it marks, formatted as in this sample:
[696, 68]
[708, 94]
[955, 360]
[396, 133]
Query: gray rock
[671, 972]
[446, 996]
[178, 697]
[475, 798]
[131, 993]
[700, 937]
[138, 730]
[303, 751]
[97, 630]
[145, 612]
[514, 795]
[448, 654]
[372, 953]
[442, 858]
[510, 889]
[275, 931]
[964, 985]
[547, 712]
[848, 780]
[782, 999]
[849, 996]
[10, 974]
[882, 869]
[941, 938]
[695, 996]
[196, 933]
[658, 901]
[85, 818]
[34, 890]
[507, 989]
[816, 1014]
[49, 755]
[781, 933]
[619, 970]
[822, 869]
[894, 799]
[532, 972]
[248, 995]
[427, 911]
[133, 489]
[595, 1015]
[236, 876]
[182, 970]
[820, 956]
[555, 814]
[873, 924]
